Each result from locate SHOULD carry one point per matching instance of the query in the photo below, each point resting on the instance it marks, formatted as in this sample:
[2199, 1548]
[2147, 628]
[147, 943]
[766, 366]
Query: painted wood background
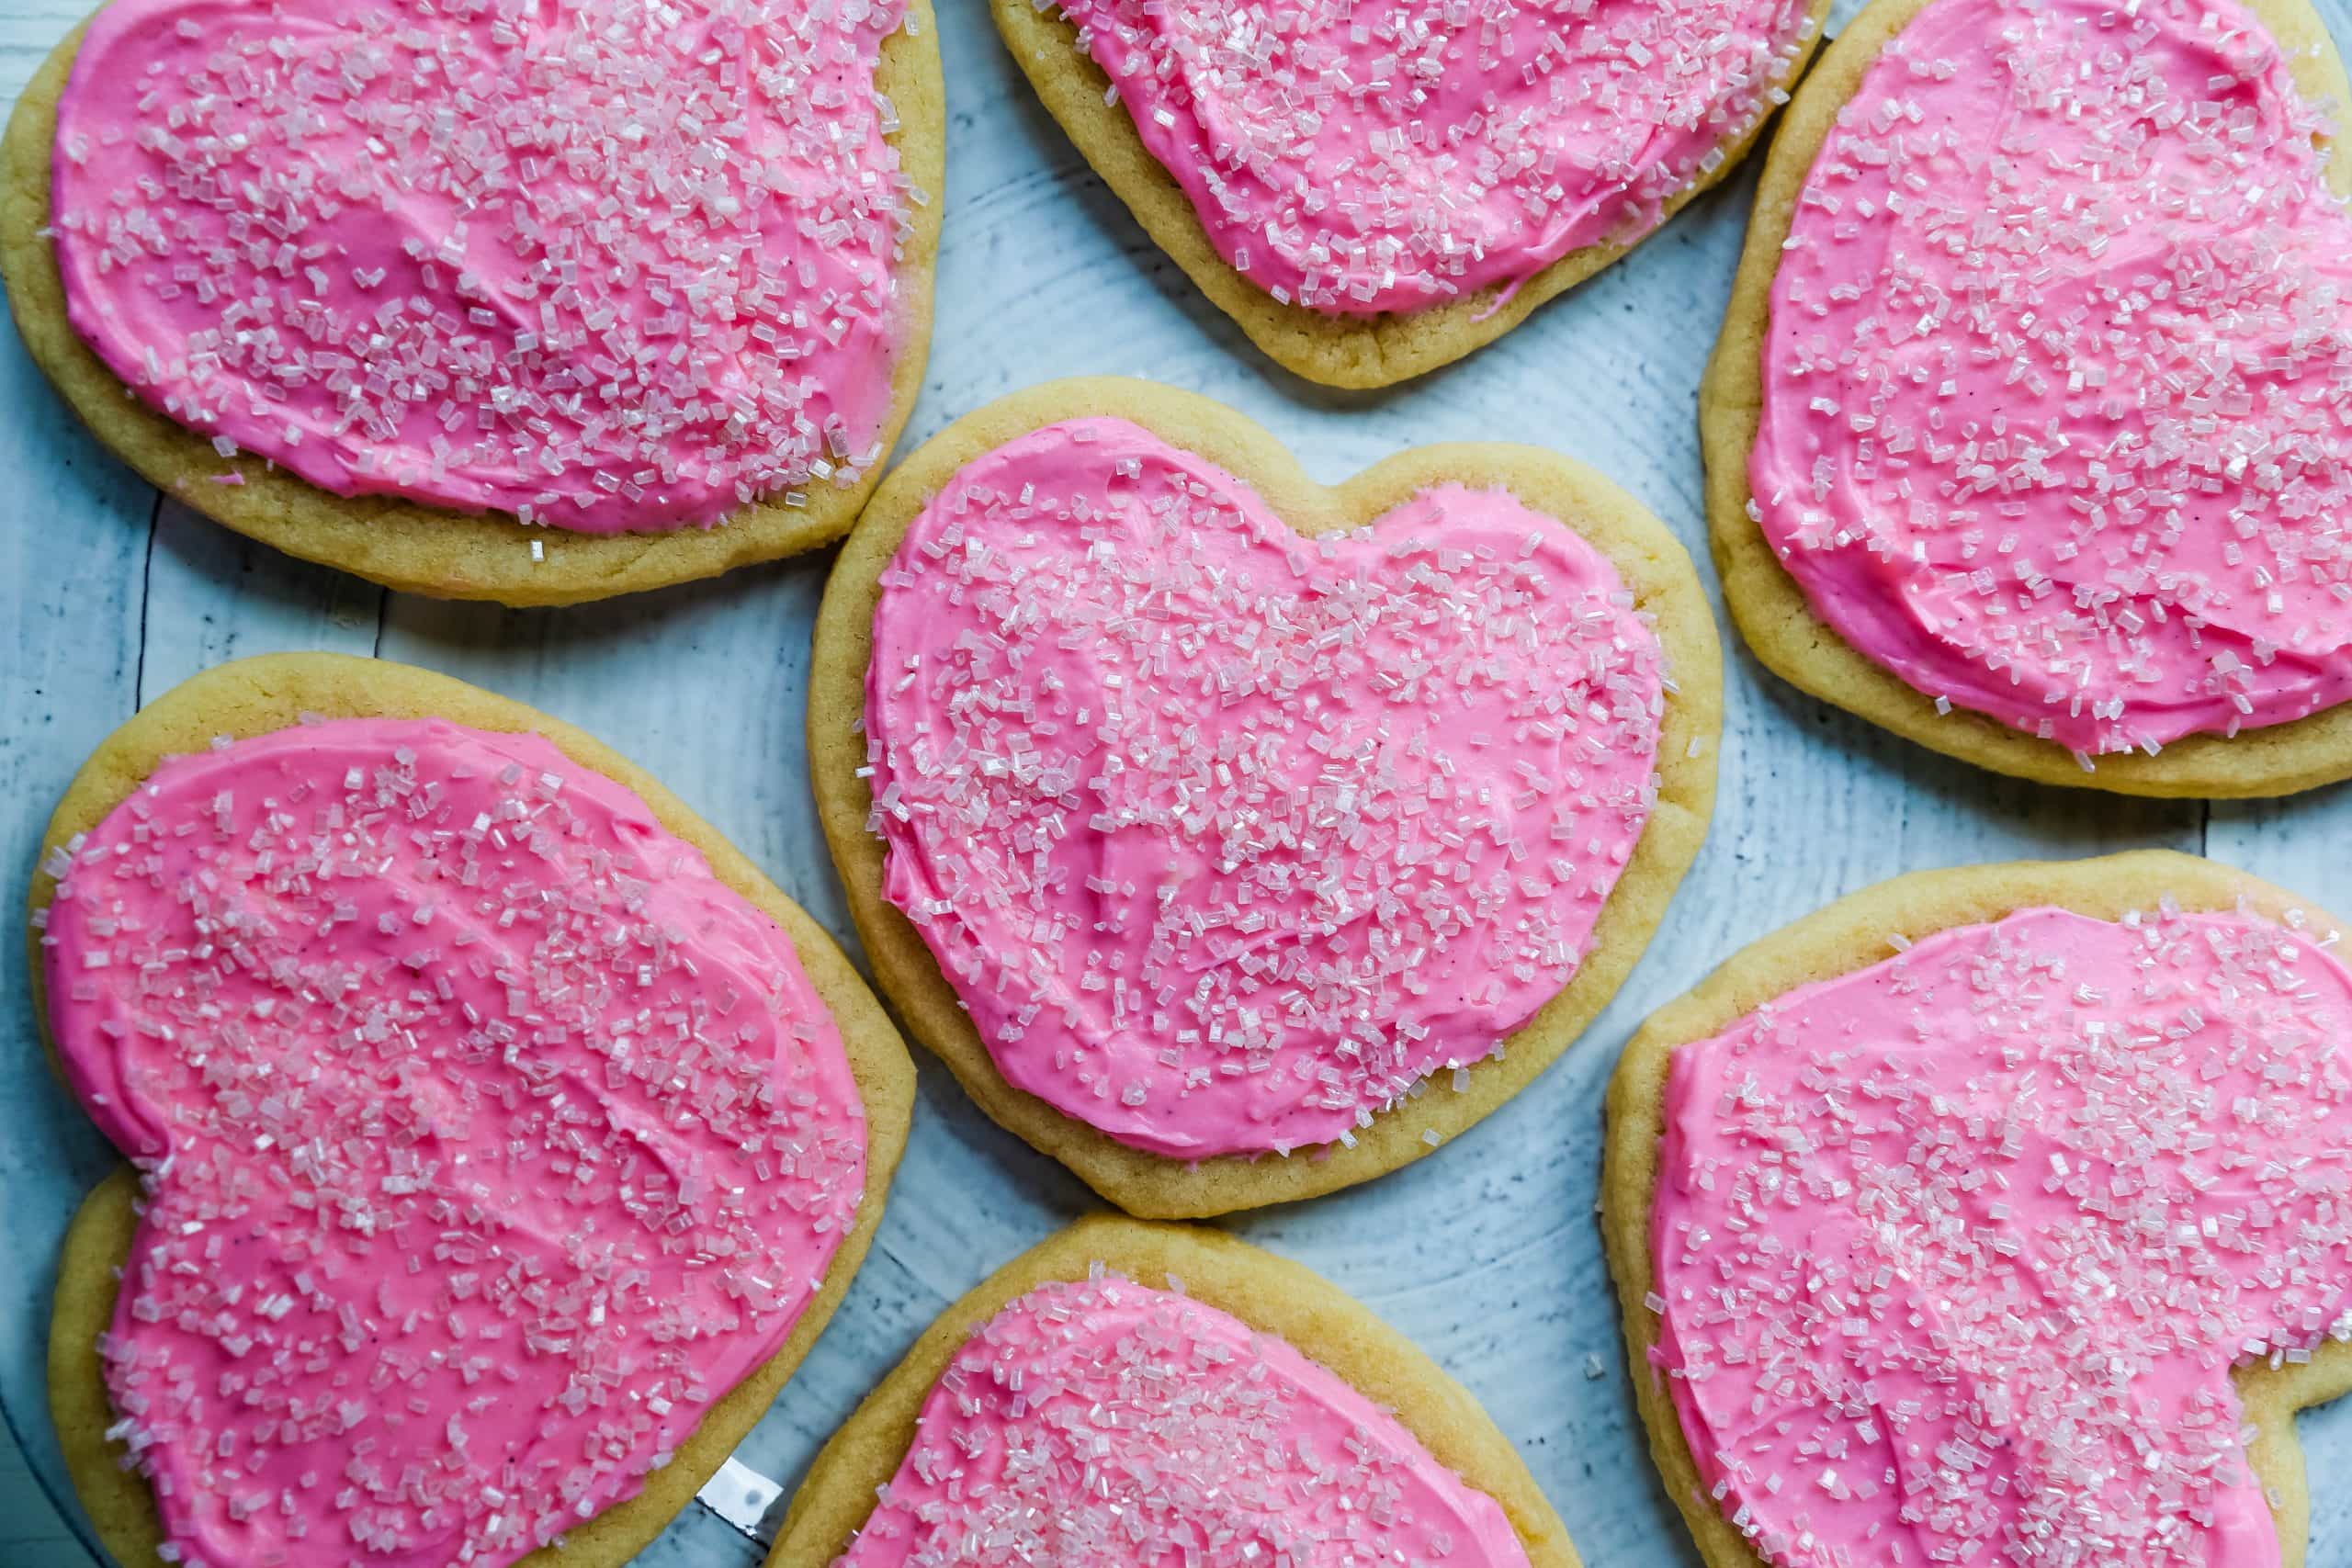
[1487, 1253]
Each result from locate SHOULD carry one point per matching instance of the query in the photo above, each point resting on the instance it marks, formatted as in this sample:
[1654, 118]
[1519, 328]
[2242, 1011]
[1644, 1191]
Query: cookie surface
[1773, 609]
[1360, 350]
[1265, 1292]
[429, 548]
[1884, 927]
[261, 695]
[1228, 449]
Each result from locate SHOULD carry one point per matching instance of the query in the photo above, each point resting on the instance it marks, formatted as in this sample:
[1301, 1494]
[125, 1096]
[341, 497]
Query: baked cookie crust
[1771, 611]
[1852, 934]
[432, 550]
[1337, 351]
[1654, 568]
[1267, 1293]
[254, 697]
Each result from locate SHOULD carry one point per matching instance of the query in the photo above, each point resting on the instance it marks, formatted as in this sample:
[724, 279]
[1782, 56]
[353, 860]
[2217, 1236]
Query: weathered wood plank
[2302, 843]
[705, 684]
[213, 596]
[1486, 1254]
[29, 30]
[30, 1532]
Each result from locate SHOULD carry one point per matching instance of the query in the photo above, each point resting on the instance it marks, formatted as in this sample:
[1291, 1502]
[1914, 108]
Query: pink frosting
[1104, 1424]
[2054, 422]
[1955, 1252]
[487, 1139]
[597, 264]
[1228, 839]
[1366, 157]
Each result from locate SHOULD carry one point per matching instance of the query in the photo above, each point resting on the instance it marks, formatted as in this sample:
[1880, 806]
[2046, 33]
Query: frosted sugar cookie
[1234, 839]
[1995, 1215]
[1371, 191]
[2025, 435]
[1131, 1393]
[535, 305]
[503, 1138]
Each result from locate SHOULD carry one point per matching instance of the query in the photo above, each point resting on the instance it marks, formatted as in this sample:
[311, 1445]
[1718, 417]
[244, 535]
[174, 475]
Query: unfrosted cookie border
[1337, 351]
[1651, 562]
[1853, 933]
[255, 696]
[1771, 611]
[419, 548]
[1271, 1294]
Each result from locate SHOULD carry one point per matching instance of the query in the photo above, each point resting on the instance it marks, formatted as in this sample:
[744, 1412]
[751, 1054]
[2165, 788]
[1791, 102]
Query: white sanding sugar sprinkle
[599, 264]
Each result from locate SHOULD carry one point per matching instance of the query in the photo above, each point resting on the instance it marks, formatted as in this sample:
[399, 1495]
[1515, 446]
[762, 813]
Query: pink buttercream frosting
[1229, 838]
[487, 1139]
[1358, 158]
[1100, 1424]
[599, 264]
[1955, 1253]
[2054, 413]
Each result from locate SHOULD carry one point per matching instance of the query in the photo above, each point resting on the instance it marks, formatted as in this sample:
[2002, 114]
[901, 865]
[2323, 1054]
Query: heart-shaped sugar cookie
[2023, 1241]
[1127, 1394]
[2025, 435]
[1372, 190]
[1221, 814]
[458, 298]
[498, 1156]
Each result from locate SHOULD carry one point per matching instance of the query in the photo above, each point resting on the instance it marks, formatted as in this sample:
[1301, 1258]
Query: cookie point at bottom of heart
[487, 1139]
[1473, 178]
[1229, 838]
[1228, 1446]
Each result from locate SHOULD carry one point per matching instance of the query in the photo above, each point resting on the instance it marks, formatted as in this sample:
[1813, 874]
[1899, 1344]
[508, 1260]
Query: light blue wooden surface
[1486, 1254]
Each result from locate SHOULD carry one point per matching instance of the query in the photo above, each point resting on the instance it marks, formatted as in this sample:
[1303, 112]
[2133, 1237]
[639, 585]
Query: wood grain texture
[1486, 1255]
